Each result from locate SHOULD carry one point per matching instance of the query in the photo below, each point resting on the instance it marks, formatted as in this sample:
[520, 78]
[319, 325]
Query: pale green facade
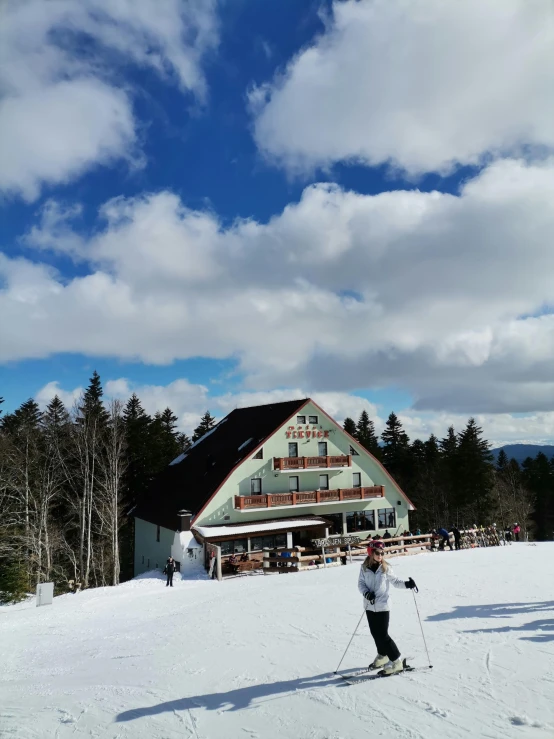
[221, 509]
[151, 553]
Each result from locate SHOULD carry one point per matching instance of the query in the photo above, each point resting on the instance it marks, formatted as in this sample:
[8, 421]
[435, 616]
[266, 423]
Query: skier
[457, 536]
[169, 569]
[516, 530]
[373, 583]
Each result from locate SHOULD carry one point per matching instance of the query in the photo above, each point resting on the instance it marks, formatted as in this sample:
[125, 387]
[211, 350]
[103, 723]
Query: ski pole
[350, 642]
[422, 634]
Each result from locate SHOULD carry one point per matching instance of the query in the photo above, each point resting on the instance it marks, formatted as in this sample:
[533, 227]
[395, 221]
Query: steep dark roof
[190, 483]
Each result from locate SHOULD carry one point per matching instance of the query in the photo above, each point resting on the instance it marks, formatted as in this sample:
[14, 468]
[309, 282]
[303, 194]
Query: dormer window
[301, 420]
[313, 420]
[259, 454]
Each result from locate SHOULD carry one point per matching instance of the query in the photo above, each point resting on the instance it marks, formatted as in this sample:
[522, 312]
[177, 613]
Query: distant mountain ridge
[519, 452]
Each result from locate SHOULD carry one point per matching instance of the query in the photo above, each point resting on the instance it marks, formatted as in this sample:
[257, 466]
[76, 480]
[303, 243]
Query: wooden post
[350, 460]
[318, 496]
[268, 498]
[294, 498]
[341, 494]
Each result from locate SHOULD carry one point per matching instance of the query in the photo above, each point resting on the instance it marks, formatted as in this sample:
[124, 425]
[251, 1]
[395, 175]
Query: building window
[233, 545]
[353, 452]
[157, 533]
[294, 485]
[324, 482]
[268, 542]
[293, 449]
[387, 518]
[259, 454]
[313, 419]
[256, 486]
[301, 420]
[360, 521]
[321, 448]
[356, 479]
[335, 519]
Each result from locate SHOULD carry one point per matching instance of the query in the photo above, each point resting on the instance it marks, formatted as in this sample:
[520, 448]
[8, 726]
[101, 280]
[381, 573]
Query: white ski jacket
[379, 583]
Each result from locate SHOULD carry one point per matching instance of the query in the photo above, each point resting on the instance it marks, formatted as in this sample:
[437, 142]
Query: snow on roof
[211, 531]
[178, 459]
[188, 541]
[245, 443]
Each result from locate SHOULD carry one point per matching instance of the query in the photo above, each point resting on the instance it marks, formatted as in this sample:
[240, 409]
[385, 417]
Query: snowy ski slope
[254, 656]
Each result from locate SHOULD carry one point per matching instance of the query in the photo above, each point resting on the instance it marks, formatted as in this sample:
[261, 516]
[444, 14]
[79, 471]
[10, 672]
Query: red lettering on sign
[319, 434]
[308, 434]
[300, 434]
[287, 434]
[326, 434]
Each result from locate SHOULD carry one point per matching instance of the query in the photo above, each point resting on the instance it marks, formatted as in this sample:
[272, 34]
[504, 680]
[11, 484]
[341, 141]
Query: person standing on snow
[376, 575]
[445, 539]
[457, 536]
[169, 569]
[516, 530]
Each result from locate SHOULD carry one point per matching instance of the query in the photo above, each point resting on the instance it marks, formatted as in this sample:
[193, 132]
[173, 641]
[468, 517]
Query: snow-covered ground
[254, 656]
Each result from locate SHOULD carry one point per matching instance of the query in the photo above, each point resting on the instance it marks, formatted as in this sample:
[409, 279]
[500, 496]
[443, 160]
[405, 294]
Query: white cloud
[63, 111]
[421, 85]
[51, 389]
[439, 294]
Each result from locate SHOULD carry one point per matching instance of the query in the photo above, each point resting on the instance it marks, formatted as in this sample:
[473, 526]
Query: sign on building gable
[306, 432]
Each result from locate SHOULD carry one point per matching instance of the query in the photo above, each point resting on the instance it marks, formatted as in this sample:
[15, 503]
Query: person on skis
[376, 576]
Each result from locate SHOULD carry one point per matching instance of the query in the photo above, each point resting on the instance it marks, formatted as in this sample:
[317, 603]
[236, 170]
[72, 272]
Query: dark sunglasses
[377, 552]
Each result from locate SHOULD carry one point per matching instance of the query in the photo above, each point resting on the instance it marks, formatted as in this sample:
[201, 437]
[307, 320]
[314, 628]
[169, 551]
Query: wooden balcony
[285, 464]
[245, 502]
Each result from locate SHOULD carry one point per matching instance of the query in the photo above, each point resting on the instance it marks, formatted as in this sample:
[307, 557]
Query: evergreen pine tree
[538, 475]
[207, 422]
[475, 478]
[502, 461]
[55, 415]
[91, 406]
[349, 426]
[395, 449]
[365, 434]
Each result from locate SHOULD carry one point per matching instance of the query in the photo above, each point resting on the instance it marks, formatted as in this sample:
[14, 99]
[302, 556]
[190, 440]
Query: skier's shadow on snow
[505, 610]
[494, 610]
[235, 700]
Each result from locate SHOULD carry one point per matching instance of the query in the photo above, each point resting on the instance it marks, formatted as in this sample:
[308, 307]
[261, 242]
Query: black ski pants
[169, 578]
[379, 626]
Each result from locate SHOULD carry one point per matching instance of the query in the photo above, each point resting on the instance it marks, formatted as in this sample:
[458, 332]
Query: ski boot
[379, 661]
[392, 667]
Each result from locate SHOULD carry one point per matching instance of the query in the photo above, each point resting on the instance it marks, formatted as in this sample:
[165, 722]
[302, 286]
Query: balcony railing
[306, 463]
[243, 502]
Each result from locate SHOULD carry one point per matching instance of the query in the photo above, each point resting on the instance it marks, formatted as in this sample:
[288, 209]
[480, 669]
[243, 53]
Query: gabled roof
[191, 479]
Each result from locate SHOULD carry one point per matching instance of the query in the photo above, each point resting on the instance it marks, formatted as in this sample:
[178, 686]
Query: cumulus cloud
[444, 295]
[423, 86]
[62, 110]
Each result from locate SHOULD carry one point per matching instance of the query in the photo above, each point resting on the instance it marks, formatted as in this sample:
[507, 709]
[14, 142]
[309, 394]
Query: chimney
[184, 520]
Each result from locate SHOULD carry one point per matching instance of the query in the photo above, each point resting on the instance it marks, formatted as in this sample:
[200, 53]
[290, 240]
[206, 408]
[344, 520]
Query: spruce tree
[365, 434]
[55, 415]
[207, 422]
[502, 461]
[349, 426]
[91, 406]
[474, 474]
[395, 444]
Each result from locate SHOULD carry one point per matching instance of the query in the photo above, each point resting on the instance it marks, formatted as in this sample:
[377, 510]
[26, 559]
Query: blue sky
[242, 201]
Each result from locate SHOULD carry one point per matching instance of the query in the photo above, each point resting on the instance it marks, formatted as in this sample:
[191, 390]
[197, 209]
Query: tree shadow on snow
[494, 610]
[234, 700]
[531, 626]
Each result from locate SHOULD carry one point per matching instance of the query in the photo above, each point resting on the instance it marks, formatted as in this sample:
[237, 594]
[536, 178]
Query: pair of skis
[362, 676]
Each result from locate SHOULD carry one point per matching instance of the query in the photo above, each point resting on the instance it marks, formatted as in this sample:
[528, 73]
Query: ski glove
[410, 584]
[370, 596]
